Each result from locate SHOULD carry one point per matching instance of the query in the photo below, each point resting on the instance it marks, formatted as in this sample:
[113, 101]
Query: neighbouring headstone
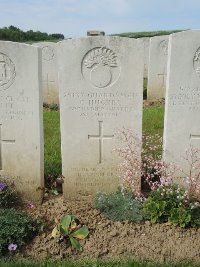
[146, 44]
[95, 33]
[100, 81]
[182, 127]
[157, 72]
[49, 73]
[21, 132]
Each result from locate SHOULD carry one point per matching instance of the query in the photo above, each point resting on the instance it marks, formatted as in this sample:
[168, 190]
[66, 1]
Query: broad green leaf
[65, 222]
[75, 243]
[80, 233]
[55, 233]
[73, 218]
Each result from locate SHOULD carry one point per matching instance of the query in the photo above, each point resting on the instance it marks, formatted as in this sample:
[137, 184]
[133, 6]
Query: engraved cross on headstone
[163, 75]
[2, 141]
[100, 137]
[47, 81]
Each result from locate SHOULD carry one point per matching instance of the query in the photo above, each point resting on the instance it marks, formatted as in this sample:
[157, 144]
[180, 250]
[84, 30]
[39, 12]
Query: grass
[52, 149]
[153, 123]
[153, 120]
[35, 42]
[83, 263]
[146, 34]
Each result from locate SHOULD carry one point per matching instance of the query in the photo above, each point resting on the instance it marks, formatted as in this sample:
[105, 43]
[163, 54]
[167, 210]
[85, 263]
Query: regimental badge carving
[7, 72]
[47, 53]
[101, 67]
[164, 47]
[196, 61]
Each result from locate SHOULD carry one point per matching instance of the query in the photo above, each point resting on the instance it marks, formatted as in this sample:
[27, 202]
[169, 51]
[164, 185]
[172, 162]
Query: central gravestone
[101, 85]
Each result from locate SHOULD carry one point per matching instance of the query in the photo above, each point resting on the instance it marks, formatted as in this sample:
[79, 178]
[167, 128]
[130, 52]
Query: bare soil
[148, 103]
[111, 239]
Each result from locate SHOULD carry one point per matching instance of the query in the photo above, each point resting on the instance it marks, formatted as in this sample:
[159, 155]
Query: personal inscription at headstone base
[157, 71]
[49, 72]
[100, 80]
[182, 127]
[21, 138]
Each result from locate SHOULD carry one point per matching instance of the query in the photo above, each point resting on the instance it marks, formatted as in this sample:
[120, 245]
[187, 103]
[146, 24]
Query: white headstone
[157, 67]
[146, 44]
[100, 81]
[182, 125]
[21, 133]
[95, 33]
[49, 73]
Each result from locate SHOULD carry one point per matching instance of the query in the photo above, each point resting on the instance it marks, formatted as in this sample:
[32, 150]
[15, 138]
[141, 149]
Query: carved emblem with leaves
[101, 61]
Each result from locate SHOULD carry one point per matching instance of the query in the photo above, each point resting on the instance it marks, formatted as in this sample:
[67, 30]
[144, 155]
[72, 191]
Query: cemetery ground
[112, 242]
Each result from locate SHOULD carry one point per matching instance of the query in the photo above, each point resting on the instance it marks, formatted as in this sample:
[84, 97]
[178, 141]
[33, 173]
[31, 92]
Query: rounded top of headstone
[95, 33]
[47, 52]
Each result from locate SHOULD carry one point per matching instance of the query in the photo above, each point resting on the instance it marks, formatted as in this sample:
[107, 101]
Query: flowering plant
[192, 177]
[12, 247]
[155, 171]
[16, 229]
[3, 185]
[151, 168]
[130, 166]
[172, 204]
[167, 201]
[8, 196]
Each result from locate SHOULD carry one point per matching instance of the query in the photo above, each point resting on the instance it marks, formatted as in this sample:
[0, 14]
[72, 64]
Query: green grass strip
[98, 263]
[52, 147]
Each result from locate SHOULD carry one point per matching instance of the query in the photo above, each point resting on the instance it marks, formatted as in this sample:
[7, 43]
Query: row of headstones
[154, 59]
[101, 90]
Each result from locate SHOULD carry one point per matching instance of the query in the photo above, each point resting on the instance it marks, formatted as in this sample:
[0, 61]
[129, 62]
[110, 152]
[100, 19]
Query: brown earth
[157, 103]
[112, 240]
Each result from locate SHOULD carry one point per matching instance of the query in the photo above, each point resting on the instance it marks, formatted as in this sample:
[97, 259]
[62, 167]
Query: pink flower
[12, 247]
[30, 205]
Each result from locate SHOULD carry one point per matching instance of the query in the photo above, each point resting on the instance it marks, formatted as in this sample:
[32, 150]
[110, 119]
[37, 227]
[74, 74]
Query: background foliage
[14, 34]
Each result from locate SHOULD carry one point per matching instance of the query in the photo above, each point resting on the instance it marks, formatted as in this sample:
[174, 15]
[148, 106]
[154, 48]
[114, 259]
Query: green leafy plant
[120, 206]
[180, 216]
[15, 228]
[173, 204]
[155, 209]
[68, 229]
[195, 220]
